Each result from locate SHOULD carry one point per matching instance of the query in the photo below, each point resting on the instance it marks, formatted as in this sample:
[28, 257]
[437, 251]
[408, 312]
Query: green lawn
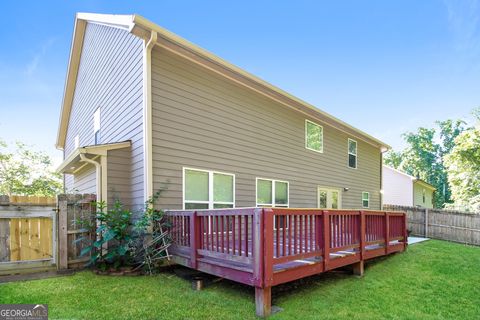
[432, 280]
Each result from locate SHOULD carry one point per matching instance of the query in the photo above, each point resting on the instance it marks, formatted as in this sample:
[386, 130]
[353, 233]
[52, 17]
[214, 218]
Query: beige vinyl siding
[118, 177]
[201, 120]
[110, 76]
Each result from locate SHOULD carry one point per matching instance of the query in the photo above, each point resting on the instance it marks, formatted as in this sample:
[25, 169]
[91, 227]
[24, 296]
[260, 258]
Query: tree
[463, 164]
[423, 157]
[27, 172]
[393, 159]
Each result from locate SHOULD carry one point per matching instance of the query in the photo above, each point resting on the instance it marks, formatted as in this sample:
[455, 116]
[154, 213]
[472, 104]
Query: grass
[432, 280]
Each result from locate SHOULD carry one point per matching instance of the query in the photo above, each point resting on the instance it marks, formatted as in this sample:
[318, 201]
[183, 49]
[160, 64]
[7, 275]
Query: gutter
[98, 171]
[147, 116]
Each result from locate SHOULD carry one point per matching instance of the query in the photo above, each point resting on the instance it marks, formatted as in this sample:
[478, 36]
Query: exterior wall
[82, 182]
[110, 76]
[418, 196]
[119, 177]
[397, 188]
[203, 121]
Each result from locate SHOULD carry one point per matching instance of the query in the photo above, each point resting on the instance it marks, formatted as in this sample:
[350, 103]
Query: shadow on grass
[280, 292]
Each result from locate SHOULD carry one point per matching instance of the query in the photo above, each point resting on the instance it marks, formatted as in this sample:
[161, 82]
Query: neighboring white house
[402, 189]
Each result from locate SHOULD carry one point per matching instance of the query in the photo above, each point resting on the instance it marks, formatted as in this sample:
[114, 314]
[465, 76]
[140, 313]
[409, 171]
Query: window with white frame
[365, 199]
[423, 195]
[205, 189]
[273, 193]
[96, 126]
[313, 136]
[352, 153]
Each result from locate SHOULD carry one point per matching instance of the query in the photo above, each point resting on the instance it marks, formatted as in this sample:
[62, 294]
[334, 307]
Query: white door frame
[329, 196]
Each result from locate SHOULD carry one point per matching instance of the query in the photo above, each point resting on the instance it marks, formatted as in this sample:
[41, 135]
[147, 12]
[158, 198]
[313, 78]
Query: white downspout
[98, 170]
[147, 116]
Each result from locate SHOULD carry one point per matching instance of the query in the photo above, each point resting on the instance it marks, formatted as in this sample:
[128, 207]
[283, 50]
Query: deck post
[195, 239]
[326, 239]
[257, 254]
[358, 268]
[262, 261]
[405, 233]
[263, 301]
[362, 235]
[387, 232]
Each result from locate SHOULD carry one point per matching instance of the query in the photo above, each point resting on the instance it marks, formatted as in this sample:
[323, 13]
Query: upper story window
[313, 136]
[208, 189]
[352, 153]
[365, 199]
[96, 126]
[423, 195]
[272, 193]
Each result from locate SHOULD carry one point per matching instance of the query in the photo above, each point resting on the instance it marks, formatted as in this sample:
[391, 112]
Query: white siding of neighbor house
[397, 187]
[110, 76]
[201, 120]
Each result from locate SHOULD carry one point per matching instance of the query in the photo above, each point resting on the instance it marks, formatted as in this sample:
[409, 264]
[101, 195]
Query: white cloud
[33, 64]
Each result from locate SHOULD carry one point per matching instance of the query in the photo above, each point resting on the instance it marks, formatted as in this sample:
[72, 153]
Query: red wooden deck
[264, 247]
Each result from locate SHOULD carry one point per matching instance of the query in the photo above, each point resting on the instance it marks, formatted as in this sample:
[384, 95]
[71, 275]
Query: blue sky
[385, 67]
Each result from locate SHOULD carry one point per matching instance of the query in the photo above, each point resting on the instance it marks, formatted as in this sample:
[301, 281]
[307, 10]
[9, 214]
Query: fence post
[326, 239]
[426, 222]
[62, 203]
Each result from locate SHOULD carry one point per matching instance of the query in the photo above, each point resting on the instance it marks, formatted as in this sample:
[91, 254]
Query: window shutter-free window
[208, 190]
[96, 126]
[281, 193]
[272, 193]
[313, 136]
[365, 199]
[222, 190]
[196, 189]
[264, 192]
[352, 153]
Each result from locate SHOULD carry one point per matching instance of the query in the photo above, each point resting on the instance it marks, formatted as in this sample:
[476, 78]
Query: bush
[122, 243]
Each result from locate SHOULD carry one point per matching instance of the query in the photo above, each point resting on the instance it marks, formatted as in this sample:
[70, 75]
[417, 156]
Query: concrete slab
[413, 240]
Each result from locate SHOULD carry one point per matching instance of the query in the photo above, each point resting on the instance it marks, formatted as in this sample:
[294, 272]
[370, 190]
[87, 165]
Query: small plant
[122, 243]
[152, 228]
[113, 237]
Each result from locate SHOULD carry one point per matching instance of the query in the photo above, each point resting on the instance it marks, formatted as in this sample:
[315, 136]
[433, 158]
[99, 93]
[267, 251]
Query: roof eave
[81, 19]
[142, 28]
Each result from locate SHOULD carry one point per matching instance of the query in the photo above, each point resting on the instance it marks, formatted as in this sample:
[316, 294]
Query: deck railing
[264, 247]
[264, 241]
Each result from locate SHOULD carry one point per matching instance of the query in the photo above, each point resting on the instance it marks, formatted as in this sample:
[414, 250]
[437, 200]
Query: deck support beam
[263, 301]
[358, 268]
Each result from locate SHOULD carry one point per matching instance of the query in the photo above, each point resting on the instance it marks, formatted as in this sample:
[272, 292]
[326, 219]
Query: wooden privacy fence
[71, 209]
[27, 233]
[442, 224]
[39, 233]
